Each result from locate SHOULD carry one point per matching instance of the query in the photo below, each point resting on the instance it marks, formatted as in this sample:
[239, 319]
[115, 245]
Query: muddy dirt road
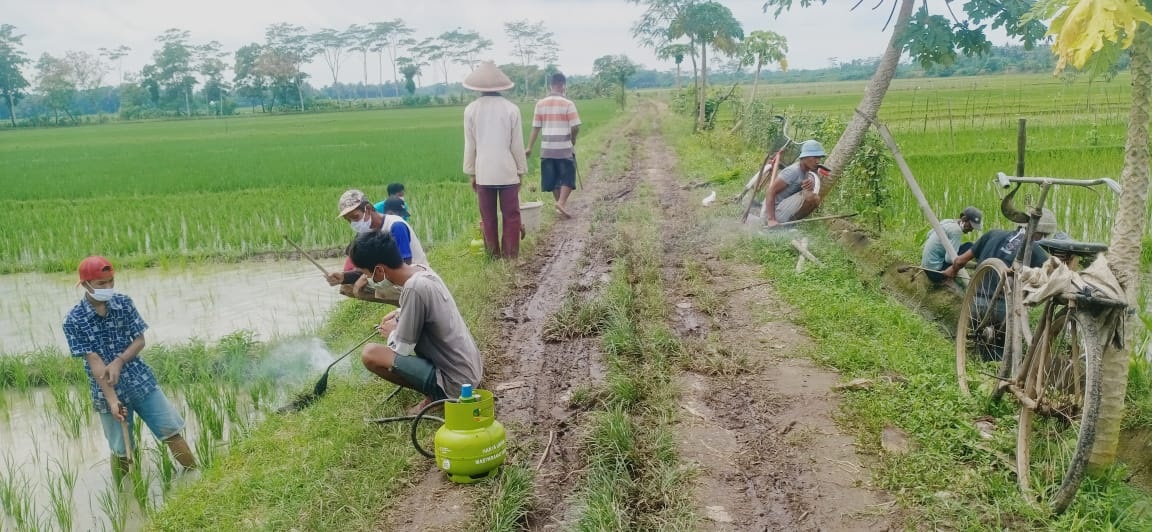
[756, 418]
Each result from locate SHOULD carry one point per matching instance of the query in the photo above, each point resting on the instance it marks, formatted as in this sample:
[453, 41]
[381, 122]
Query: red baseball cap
[95, 267]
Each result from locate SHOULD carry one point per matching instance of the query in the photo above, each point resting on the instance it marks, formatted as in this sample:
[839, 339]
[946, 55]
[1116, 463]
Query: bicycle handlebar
[1006, 181]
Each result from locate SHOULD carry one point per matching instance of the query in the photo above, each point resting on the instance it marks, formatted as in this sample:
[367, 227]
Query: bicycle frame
[774, 160]
[1017, 314]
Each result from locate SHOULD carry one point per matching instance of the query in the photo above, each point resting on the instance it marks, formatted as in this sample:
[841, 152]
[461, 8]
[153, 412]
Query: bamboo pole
[915, 187]
[1021, 144]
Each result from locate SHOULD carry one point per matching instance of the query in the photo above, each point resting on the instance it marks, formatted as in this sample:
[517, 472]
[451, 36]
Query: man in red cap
[107, 331]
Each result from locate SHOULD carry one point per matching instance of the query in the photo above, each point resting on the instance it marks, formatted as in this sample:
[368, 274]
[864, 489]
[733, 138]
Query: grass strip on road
[634, 478]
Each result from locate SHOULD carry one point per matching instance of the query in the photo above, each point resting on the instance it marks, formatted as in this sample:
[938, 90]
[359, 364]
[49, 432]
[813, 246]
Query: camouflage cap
[350, 200]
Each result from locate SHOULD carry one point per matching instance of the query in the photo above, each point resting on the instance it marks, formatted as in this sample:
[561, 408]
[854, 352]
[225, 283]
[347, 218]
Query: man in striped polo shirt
[556, 123]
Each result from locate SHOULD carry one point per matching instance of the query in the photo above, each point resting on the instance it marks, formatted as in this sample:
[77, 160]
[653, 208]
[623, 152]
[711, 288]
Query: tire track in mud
[533, 379]
[540, 376]
[768, 452]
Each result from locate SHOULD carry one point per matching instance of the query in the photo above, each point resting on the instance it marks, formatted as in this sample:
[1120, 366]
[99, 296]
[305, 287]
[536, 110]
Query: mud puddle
[274, 299]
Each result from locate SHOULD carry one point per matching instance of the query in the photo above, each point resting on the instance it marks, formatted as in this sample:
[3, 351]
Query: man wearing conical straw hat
[494, 158]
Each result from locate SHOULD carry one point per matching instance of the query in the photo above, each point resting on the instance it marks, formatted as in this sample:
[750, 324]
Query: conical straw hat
[487, 78]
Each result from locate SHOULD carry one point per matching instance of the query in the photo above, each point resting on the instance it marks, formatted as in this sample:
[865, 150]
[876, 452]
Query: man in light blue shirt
[934, 258]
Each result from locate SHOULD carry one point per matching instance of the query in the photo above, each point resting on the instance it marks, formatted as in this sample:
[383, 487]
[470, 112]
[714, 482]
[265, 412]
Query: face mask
[102, 294]
[362, 226]
[376, 285]
[385, 284]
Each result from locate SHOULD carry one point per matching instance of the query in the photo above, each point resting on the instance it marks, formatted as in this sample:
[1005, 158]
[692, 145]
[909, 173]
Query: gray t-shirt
[432, 325]
[792, 175]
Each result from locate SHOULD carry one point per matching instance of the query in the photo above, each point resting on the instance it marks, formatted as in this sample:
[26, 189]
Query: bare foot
[416, 409]
[563, 213]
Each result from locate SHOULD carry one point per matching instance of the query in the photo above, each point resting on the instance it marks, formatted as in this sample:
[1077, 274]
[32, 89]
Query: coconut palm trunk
[870, 105]
[755, 81]
[1124, 253]
[703, 93]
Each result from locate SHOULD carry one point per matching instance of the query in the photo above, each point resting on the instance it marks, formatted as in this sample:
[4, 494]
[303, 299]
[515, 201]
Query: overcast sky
[585, 29]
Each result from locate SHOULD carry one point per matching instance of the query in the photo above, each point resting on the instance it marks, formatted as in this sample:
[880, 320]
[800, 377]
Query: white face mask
[362, 226]
[380, 285]
[102, 294]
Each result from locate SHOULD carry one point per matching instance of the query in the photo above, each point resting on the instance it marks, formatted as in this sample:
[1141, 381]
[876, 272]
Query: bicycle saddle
[1069, 246]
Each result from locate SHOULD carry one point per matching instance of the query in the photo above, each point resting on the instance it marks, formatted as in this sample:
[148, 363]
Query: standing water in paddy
[272, 299]
[54, 464]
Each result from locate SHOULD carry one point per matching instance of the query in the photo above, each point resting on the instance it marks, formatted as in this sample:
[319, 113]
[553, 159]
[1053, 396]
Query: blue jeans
[157, 413]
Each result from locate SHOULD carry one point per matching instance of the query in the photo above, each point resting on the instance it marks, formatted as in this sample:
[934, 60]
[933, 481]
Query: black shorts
[557, 173]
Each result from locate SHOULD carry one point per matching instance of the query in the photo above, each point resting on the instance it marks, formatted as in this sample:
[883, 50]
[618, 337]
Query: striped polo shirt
[555, 116]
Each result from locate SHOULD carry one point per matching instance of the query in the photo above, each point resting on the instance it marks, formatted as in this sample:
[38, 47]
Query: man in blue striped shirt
[108, 333]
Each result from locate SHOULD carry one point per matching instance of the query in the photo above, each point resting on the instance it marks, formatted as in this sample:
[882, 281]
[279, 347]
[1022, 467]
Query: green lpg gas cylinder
[470, 445]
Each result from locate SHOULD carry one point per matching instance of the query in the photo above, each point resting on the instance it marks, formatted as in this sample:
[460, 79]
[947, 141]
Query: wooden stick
[307, 256]
[551, 436]
[127, 443]
[1021, 145]
[753, 285]
[799, 263]
[816, 219]
[886, 136]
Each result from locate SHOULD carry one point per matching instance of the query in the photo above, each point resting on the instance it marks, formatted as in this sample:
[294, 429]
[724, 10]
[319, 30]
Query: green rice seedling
[141, 483]
[237, 353]
[70, 410]
[227, 402]
[205, 448]
[15, 372]
[61, 486]
[260, 392]
[114, 505]
[165, 467]
[201, 401]
[9, 482]
[36, 457]
[16, 495]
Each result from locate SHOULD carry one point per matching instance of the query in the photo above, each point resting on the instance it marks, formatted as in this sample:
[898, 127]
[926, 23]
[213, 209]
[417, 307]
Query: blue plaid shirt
[108, 336]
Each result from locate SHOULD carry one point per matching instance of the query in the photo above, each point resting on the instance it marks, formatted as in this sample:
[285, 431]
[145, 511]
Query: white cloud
[585, 29]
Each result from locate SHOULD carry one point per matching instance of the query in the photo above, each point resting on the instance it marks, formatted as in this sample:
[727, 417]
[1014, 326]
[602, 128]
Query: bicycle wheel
[982, 324]
[1055, 436]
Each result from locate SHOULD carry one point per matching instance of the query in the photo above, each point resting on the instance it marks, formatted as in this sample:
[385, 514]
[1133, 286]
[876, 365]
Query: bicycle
[771, 162]
[1053, 371]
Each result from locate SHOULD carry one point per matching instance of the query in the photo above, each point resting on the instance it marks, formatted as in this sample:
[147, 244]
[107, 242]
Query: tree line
[186, 77]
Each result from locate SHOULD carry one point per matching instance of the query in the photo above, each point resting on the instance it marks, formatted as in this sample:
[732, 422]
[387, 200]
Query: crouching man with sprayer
[795, 191]
[430, 348]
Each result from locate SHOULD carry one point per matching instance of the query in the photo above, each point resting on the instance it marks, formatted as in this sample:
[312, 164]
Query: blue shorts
[557, 173]
[157, 413]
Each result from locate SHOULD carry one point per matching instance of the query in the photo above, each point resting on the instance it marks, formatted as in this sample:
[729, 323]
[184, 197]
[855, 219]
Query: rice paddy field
[175, 191]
